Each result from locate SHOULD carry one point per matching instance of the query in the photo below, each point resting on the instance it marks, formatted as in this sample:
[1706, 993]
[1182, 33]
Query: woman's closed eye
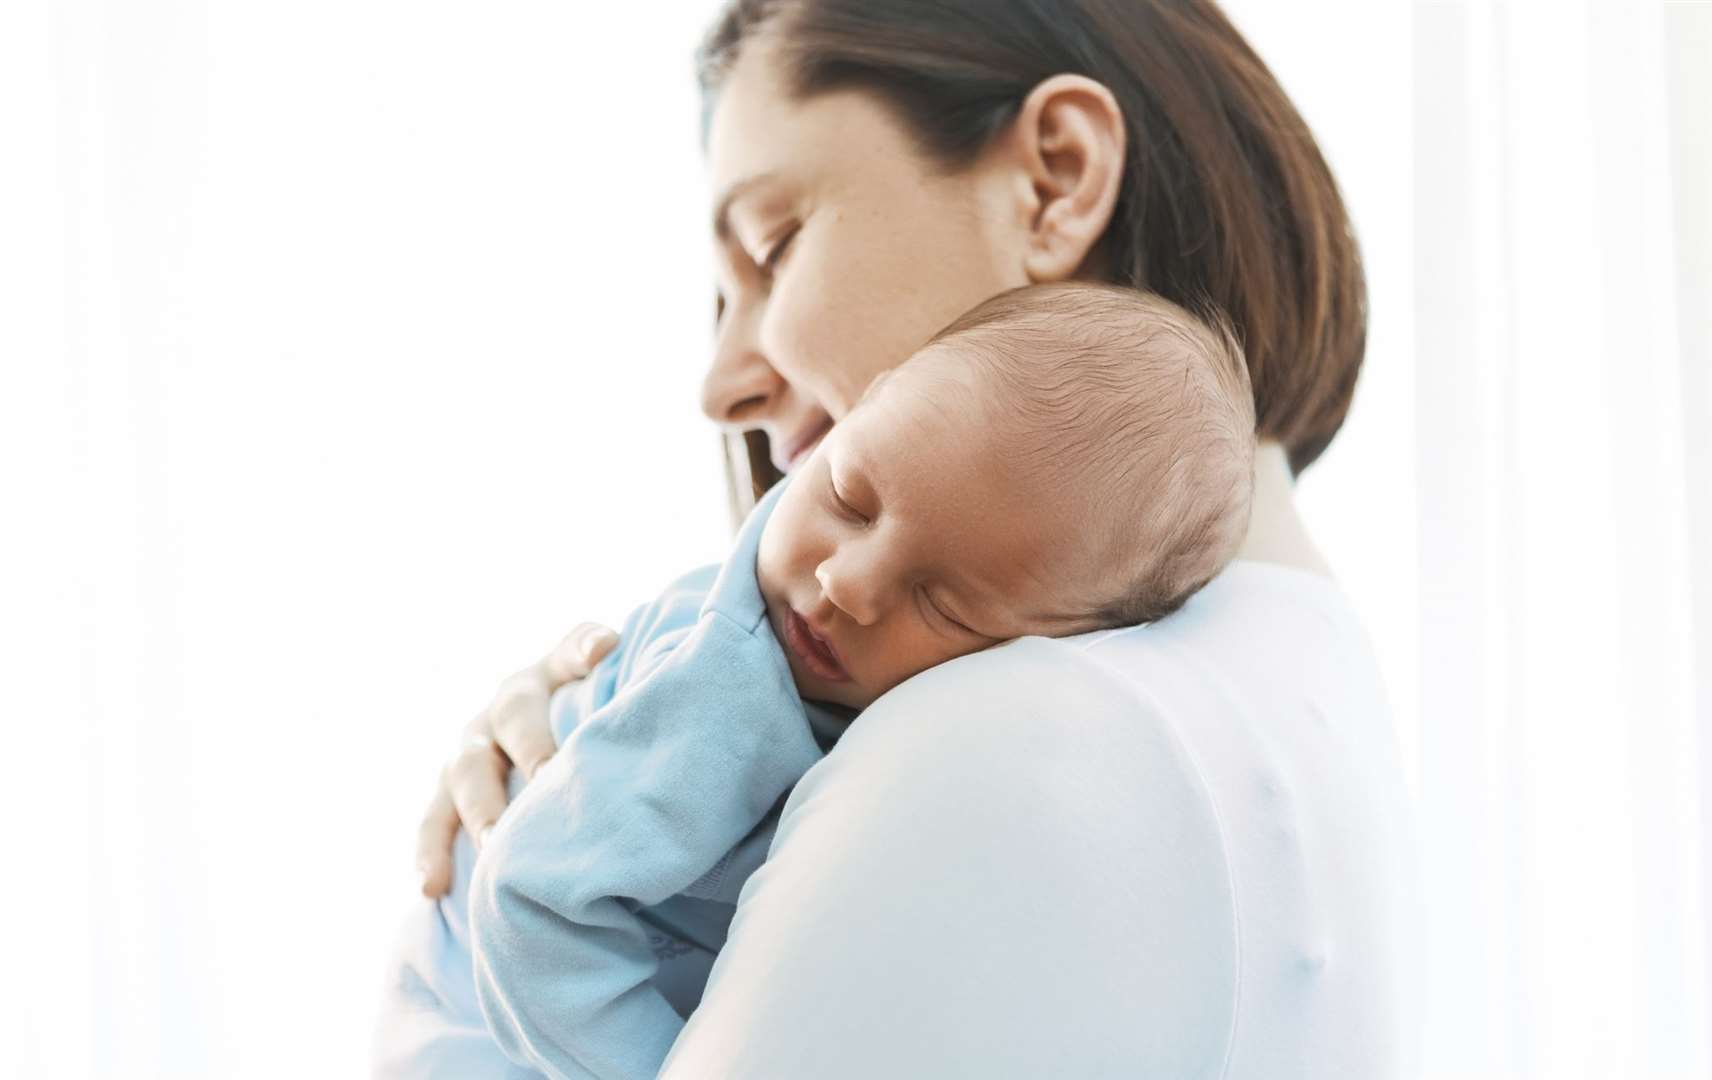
[770, 261]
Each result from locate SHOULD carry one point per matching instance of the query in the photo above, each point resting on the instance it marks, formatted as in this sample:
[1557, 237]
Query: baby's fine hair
[1148, 400]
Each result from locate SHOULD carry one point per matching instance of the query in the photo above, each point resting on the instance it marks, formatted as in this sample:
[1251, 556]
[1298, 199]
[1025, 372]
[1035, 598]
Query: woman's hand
[513, 729]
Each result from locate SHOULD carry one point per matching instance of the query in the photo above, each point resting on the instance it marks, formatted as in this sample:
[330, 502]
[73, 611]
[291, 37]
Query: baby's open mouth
[815, 654]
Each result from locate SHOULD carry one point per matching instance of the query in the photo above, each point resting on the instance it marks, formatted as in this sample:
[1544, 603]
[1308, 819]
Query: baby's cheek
[917, 651]
[771, 558]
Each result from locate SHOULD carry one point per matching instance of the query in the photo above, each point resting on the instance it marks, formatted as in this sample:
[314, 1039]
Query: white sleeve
[1009, 866]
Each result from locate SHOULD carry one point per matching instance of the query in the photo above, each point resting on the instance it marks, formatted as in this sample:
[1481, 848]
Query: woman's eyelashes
[770, 261]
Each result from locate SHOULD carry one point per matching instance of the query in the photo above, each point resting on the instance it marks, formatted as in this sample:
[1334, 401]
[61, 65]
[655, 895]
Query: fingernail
[422, 880]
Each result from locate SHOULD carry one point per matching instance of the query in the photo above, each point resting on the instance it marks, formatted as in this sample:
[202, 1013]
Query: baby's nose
[849, 592]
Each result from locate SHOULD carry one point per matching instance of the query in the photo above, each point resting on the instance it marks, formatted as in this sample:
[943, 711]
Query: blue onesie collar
[736, 592]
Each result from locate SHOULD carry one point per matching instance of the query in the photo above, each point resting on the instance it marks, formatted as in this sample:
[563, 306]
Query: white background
[350, 356]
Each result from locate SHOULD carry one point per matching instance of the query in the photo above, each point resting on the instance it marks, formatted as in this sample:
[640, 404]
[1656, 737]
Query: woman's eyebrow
[722, 208]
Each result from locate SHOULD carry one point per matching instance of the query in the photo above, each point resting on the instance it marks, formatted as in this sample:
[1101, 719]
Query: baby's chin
[848, 694]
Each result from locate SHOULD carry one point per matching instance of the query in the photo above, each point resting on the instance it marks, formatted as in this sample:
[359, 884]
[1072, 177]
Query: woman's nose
[741, 389]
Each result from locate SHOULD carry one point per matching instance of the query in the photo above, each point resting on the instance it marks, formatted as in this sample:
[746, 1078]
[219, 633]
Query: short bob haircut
[1225, 196]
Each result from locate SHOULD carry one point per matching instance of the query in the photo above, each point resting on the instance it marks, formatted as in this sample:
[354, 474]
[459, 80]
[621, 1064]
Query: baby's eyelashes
[938, 613]
[847, 511]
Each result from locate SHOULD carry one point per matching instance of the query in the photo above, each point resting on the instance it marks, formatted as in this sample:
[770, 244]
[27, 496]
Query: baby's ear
[1068, 138]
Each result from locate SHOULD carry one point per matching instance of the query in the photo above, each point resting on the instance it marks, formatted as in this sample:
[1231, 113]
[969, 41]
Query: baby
[1060, 459]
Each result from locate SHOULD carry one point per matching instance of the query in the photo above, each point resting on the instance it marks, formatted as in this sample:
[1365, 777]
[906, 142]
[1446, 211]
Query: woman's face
[839, 252]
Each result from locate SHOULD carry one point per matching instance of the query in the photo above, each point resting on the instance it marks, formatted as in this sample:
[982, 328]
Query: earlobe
[1070, 136]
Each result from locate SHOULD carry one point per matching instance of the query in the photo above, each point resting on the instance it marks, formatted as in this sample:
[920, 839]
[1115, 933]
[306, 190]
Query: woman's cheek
[830, 330]
[791, 341]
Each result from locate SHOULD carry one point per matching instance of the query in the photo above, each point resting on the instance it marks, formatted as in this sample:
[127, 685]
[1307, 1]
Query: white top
[1177, 850]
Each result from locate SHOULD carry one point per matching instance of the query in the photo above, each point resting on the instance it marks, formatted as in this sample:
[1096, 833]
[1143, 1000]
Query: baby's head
[1060, 459]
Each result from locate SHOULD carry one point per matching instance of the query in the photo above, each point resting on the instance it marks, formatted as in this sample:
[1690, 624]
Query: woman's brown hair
[1225, 196]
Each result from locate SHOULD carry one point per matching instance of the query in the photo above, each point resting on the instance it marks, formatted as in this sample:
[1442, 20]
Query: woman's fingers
[577, 654]
[515, 728]
[518, 714]
[520, 722]
[476, 780]
[434, 839]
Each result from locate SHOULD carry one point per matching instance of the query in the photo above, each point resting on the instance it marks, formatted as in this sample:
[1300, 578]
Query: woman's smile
[800, 445]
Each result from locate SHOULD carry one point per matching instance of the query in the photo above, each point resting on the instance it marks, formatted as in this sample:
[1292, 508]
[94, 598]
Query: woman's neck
[1275, 530]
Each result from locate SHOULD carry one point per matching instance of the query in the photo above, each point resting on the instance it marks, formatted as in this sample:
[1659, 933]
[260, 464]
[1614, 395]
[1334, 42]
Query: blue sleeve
[649, 791]
[647, 633]
[430, 1026]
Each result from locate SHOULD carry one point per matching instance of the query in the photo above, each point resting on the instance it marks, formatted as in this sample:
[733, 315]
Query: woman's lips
[798, 448]
[815, 654]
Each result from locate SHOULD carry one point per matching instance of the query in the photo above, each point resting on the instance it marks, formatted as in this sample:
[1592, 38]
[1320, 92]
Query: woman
[1173, 850]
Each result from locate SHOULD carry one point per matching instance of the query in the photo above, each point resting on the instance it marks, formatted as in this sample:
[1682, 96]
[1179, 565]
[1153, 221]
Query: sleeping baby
[1061, 459]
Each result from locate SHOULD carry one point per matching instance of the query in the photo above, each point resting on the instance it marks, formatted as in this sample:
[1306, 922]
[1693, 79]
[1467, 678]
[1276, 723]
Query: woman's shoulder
[979, 851]
[1255, 710]
[1265, 683]
[1087, 829]
[1259, 635]
[1052, 695]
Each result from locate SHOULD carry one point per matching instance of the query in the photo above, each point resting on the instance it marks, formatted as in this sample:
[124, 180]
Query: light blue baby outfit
[601, 895]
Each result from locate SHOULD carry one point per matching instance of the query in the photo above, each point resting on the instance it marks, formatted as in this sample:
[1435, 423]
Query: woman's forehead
[761, 137]
[755, 123]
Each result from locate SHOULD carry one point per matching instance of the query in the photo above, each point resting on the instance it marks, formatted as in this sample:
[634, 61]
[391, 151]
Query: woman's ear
[1068, 140]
